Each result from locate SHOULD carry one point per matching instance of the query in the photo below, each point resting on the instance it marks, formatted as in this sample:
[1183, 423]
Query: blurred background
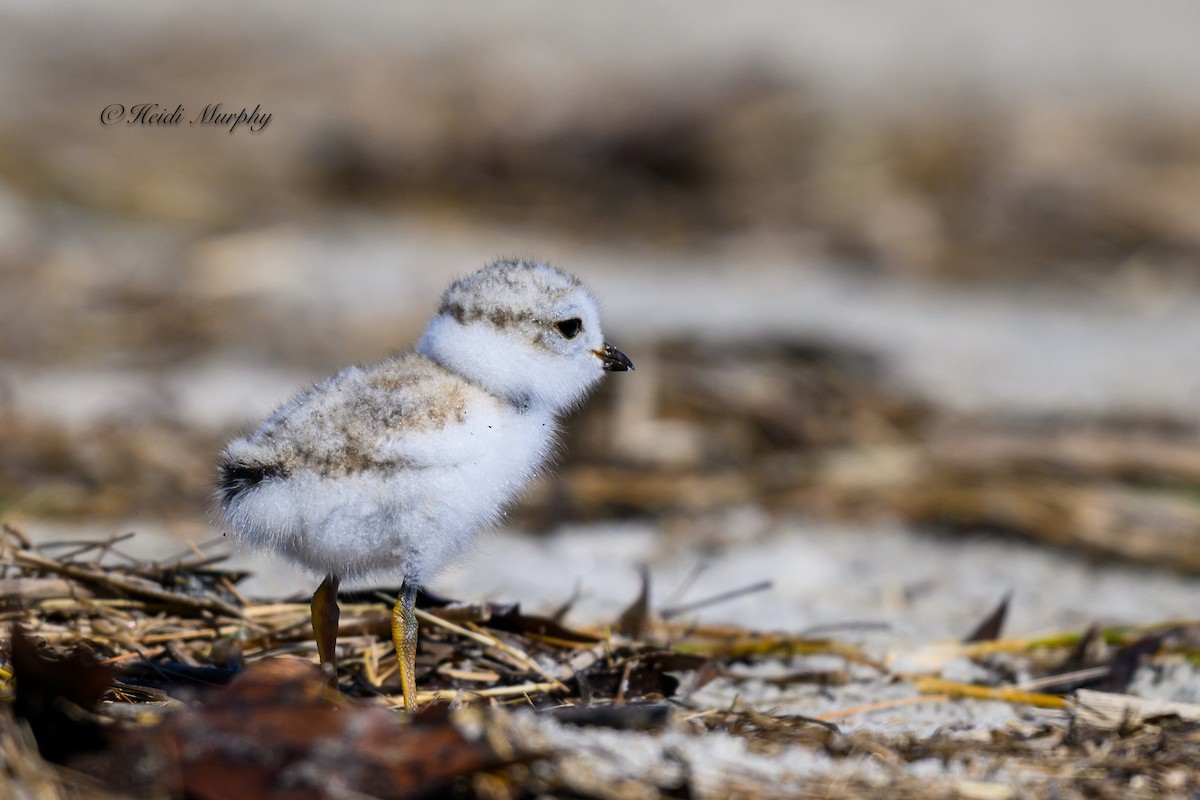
[913, 289]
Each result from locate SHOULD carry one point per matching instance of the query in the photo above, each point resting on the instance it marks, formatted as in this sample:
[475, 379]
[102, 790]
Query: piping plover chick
[393, 468]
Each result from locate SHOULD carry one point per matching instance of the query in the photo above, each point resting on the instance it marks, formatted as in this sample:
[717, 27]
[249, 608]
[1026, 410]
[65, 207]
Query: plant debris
[160, 680]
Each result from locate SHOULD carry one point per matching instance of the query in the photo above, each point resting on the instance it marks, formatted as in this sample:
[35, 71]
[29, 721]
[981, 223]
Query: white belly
[411, 521]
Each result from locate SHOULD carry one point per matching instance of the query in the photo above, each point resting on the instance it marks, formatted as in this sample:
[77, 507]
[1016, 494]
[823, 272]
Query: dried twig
[117, 583]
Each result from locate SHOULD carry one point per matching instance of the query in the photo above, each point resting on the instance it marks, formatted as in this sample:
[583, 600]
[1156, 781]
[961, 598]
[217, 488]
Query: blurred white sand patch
[995, 351]
[883, 705]
[74, 397]
[213, 395]
[714, 765]
[1174, 678]
[719, 765]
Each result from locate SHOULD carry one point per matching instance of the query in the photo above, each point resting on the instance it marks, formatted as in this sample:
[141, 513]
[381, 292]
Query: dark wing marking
[234, 479]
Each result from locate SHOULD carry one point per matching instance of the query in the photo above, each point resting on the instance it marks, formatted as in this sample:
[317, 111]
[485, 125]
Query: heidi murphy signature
[213, 114]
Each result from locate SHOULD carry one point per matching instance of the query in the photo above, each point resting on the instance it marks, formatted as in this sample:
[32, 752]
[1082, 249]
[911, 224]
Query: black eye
[569, 328]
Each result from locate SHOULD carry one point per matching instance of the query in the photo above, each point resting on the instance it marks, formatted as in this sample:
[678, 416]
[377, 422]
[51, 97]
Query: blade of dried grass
[518, 690]
[748, 644]
[22, 538]
[119, 584]
[1114, 635]
[883, 705]
[86, 546]
[723, 597]
[80, 605]
[476, 676]
[1004, 694]
[228, 586]
[132, 655]
[190, 635]
[256, 611]
[1062, 678]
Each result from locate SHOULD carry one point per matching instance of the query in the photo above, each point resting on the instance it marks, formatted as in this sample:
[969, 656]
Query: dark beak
[614, 360]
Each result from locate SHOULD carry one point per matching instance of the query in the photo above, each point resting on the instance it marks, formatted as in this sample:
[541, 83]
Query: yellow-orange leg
[325, 616]
[404, 636]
